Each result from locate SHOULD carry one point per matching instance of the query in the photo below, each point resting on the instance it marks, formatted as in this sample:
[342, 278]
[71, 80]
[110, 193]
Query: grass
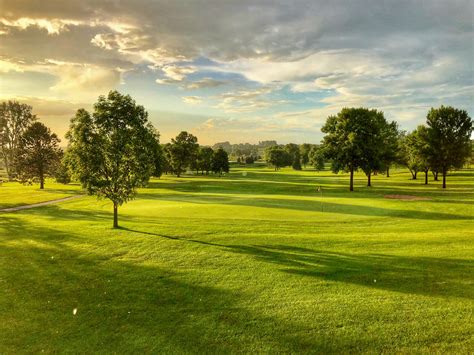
[255, 261]
[13, 194]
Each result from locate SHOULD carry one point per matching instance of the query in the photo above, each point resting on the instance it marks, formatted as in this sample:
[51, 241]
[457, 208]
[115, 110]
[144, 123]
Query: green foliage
[241, 151]
[15, 118]
[294, 156]
[316, 157]
[354, 140]
[113, 151]
[204, 159]
[220, 161]
[159, 155]
[449, 134]
[62, 173]
[38, 154]
[415, 151]
[182, 152]
[305, 150]
[389, 149]
[278, 157]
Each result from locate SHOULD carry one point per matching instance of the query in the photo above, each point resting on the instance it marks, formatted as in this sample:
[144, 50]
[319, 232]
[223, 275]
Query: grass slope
[254, 261]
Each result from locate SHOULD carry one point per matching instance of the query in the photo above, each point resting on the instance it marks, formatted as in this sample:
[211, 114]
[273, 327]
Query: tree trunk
[368, 180]
[351, 186]
[388, 171]
[444, 178]
[41, 177]
[426, 177]
[436, 176]
[115, 215]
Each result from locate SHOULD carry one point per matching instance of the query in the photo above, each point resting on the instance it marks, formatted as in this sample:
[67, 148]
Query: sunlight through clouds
[247, 61]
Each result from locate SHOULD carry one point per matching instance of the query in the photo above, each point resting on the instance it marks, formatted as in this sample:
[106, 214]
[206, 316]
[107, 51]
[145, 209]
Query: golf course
[254, 261]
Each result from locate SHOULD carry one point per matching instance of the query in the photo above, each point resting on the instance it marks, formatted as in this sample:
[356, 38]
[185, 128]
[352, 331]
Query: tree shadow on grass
[427, 276]
[307, 205]
[127, 305]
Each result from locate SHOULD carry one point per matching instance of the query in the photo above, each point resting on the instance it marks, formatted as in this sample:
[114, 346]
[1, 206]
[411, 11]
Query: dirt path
[45, 203]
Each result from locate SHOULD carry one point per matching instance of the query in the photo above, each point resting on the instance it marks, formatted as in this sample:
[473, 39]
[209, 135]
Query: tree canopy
[354, 141]
[112, 151]
[15, 118]
[38, 154]
[449, 134]
[220, 162]
[182, 151]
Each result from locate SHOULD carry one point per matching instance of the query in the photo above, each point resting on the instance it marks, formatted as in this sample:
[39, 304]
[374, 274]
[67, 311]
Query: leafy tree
[182, 151]
[389, 154]
[38, 153]
[250, 159]
[305, 150]
[278, 157]
[421, 149]
[220, 161]
[316, 157]
[167, 168]
[353, 140]
[112, 151]
[15, 118]
[408, 154]
[159, 156]
[449, 134]
[61, 173]
[294, 156]
[205, 158]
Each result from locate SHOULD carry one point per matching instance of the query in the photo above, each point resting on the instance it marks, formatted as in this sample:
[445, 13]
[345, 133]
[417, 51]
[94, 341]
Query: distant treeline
[245, 152]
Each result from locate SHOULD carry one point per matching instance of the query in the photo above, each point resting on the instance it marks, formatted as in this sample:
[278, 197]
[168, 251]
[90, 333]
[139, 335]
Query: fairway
[254, 261]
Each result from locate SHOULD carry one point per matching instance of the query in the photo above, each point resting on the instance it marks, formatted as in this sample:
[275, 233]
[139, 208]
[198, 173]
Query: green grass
[14, 194]
[255, 261]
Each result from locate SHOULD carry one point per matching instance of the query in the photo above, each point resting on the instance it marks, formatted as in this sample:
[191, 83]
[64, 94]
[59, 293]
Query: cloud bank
[263, 68]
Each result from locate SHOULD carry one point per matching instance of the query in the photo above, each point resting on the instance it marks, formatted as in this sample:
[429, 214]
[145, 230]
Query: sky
[239, 71]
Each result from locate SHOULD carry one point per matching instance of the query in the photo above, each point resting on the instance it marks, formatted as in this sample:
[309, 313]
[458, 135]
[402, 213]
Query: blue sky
[241, 71]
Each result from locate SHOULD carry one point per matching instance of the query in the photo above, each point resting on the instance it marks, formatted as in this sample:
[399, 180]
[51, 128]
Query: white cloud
[204, 84]
[192, 100]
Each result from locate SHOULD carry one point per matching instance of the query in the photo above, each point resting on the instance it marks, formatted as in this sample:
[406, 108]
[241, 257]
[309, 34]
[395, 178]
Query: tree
[449, 134]
[205, 156]
[353, 140]
[167, 168]
[408, 155]
[305, 150]
[112, 151]
[38, 153]
[278, 157]
[15, 118]
[294, 156]
[182, 151]
[250, 159]
[316, 158]
[159, 156]
[61, 173]
[389, 154]
[220, 161]
[421, 149]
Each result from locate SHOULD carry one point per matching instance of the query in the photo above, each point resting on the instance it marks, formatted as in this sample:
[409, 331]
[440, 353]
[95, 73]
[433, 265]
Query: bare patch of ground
[407, 197]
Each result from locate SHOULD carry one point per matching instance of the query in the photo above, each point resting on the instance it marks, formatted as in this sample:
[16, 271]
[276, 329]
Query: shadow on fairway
[414, 275]
[308, 205]
[125, 305]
